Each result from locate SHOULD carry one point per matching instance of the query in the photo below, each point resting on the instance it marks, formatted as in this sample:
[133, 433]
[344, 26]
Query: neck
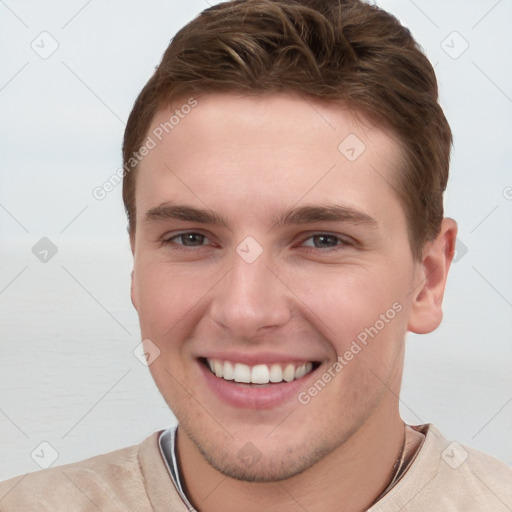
[349, 479]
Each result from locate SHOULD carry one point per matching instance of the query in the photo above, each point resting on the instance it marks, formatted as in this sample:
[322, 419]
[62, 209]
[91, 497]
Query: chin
[248, 464]
[260, 458]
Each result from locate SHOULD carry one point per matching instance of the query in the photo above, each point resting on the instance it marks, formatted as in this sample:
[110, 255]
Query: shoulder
[451, 477]
[110, 482]
[476, 480]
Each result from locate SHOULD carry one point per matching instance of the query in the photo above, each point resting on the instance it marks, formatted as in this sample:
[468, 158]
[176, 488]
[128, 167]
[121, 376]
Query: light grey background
[68, 376]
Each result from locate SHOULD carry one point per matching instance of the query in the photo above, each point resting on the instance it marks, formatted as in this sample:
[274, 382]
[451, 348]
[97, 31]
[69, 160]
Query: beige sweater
[136, 479]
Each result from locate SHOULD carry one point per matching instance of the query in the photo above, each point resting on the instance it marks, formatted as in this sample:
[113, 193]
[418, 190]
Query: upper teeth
[260, 373]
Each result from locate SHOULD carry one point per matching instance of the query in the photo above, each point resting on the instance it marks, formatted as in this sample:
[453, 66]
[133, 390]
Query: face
[273, 275]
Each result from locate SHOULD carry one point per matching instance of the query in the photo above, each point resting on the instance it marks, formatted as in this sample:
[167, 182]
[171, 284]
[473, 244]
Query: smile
[260, 373]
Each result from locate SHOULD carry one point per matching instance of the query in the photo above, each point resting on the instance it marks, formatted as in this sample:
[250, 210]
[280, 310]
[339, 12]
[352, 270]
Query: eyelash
[340, 241]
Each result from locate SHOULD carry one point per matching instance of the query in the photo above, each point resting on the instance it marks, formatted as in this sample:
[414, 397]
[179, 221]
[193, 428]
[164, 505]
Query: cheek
[169, 300]
[345, 302]
[167, 295]
[361, 312]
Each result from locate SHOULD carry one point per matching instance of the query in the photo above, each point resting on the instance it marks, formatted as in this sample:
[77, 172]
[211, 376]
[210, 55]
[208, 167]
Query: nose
[250, 299]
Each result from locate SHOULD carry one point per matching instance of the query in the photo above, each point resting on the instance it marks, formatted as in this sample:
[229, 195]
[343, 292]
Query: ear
[132, 242]
[133, 295]
[132, 287]
[430, 280]
[132, 292]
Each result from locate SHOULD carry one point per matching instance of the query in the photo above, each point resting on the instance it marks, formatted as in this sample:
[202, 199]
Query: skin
[247, 159]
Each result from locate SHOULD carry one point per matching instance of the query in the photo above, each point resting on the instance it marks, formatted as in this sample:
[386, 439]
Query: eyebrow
[181, 212]
[300, 215]
[323, 213]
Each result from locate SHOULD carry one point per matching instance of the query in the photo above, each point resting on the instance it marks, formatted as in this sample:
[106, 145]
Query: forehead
[237, 153]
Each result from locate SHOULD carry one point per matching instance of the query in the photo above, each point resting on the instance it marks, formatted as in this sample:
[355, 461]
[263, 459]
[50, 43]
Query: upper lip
[260, 358]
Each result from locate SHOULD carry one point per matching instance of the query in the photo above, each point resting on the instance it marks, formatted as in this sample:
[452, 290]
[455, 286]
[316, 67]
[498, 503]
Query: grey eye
[321, 241]
[192, 239]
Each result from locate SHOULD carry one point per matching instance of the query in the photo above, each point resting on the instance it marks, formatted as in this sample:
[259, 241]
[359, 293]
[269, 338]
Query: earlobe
[430, 280]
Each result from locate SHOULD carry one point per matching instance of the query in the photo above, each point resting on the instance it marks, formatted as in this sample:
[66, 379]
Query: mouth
[249, 381]
[259, 375]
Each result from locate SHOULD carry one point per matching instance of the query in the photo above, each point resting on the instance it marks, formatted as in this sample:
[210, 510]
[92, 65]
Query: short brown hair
[335, 50]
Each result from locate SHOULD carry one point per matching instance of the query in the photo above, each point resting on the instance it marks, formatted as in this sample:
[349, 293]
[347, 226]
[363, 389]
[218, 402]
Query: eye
[189, 239]
[325, 241]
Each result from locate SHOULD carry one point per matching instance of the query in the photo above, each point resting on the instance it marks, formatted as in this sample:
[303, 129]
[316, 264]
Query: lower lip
[255, 396]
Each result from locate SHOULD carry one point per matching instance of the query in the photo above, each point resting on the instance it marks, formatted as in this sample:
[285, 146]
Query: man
[284, 174]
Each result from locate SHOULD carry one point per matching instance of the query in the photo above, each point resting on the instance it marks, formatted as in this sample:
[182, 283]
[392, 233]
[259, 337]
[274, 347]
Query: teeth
[228, 371]
[276, 373]
[289, 373]
[260, 373]
[300, 371]
[242, 373]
